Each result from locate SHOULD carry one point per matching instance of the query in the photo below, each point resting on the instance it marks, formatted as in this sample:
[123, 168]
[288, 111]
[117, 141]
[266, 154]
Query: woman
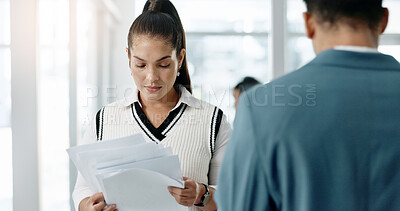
[164, 110]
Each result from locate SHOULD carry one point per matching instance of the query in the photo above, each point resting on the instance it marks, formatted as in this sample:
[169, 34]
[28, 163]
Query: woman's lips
[153, 88]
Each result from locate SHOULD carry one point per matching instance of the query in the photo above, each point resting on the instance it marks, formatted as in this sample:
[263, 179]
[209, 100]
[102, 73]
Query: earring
[178, 74]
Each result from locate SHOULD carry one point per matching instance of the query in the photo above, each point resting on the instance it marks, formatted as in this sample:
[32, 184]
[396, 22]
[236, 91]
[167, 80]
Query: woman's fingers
[175, 190]
[95, 203]
[95, 198]
[182, 192]
[180, 197]
[100, 205]
[185, 197]
[189, 183]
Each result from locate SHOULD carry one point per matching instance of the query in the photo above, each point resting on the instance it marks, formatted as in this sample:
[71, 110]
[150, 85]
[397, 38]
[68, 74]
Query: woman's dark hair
[246, 84]
[368, 12]
[160, 19]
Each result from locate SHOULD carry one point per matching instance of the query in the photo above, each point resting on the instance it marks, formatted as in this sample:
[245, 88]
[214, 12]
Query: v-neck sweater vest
[190, 132]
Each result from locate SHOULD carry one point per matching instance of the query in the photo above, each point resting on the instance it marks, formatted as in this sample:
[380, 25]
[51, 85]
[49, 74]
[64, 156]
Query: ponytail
[160, 19]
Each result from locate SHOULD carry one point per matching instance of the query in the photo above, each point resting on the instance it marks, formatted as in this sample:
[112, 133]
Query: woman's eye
[164, 66]
[140, 66]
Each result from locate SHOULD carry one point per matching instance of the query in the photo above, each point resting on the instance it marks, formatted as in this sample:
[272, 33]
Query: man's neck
[345, 36]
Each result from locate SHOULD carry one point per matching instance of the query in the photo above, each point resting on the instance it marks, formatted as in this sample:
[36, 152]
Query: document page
[131, 173]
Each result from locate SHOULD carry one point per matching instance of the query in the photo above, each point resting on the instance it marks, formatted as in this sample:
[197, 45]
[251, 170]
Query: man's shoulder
[287, 91]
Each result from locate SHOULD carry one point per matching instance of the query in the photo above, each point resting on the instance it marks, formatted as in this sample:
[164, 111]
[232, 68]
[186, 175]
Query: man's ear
[309, 22]
[182, 55]
[384, 21]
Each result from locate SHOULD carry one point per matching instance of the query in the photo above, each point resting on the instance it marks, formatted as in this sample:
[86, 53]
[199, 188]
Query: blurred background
[61, 60]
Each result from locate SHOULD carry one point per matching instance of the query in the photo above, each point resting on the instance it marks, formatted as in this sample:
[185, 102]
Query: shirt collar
[356, 60]
[361, 49]
[185, 97]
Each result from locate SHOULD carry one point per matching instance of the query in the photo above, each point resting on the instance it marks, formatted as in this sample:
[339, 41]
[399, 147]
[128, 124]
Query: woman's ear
[182, 57]
[129, 56]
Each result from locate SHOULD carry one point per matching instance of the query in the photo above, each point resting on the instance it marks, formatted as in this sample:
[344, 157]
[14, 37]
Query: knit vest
[190, 132]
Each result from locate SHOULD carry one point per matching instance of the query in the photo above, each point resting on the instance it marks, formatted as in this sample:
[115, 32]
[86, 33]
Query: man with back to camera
[327, 136]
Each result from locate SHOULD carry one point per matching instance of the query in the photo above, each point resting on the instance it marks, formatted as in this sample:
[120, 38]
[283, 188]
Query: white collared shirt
[360, 49]
[82, 190]
[185, 97]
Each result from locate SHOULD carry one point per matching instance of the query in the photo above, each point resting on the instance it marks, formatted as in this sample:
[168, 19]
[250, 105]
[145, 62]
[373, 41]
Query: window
[87, 102]
[53, 104]
[390, 41]
[226, 41]
[300, 49]
[5, 64]
[6, 190]
[394, 16]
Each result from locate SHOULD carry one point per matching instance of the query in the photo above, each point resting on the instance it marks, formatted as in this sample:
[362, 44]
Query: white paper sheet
[146, 190]
[140, 153]
[124, 141]
[132, 173]
[169, 166]
[85, 157]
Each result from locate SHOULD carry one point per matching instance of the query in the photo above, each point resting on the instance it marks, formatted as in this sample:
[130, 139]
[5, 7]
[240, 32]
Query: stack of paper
[131, 173]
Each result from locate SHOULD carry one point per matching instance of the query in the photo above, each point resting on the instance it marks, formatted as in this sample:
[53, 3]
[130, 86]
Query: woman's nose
[152, 74]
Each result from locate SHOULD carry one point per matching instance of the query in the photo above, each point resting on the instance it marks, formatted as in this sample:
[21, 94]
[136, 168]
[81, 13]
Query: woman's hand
[95, 203]
[189, 195]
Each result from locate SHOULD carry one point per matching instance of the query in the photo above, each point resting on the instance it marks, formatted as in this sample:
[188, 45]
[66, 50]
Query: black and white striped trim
[99, 124]
[157, 134]
[141, 125]
[215, 125]
[174, 121]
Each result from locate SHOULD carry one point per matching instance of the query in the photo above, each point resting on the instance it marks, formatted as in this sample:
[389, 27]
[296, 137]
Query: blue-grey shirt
[325, 137]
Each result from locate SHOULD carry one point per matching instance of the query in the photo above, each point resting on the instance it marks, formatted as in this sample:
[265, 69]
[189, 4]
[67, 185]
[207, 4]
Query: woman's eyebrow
[139, 58]
[165, 57]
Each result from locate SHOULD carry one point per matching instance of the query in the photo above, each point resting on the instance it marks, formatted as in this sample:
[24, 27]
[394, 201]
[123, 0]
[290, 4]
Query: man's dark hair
[246, 84]
[352, 12]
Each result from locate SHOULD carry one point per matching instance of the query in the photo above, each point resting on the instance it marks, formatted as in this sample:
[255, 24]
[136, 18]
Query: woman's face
[154, 67]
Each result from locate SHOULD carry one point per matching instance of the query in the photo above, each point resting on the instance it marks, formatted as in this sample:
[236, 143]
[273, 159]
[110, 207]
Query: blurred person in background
[242, 86]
